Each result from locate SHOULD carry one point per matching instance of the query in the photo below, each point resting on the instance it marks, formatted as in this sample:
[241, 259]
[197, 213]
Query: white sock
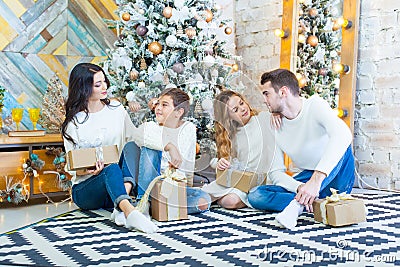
[288, 217]
[118, 217]
[138, 221]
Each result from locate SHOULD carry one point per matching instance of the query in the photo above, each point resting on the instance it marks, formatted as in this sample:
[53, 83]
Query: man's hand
[223, 164]
[306, 193]
[176, 159]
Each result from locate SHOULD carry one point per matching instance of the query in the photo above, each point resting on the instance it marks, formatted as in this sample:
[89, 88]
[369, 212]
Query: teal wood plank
[41, 66]
[34, 29]
[84, 42]
[79, 34]
[27, 70]
[55, 43]
[35, 45]
[58, 23]
[95, 25]
[12, 20]
[37, 9]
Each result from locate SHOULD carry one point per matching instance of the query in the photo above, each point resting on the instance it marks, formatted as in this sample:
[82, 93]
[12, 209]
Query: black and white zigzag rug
[216, 238]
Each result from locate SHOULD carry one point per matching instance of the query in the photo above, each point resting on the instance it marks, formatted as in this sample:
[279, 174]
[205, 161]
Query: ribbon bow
[335, 197]
[170, 175]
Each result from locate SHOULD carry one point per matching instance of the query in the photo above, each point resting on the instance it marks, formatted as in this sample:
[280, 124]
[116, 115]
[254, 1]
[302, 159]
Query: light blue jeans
[276, 198]
[144, 163]
[104, 190]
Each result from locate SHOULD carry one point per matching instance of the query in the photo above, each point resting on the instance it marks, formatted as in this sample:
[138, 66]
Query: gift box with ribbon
[168, 197]
[236, 176]
[168, 201]
[87, 157]
[339, 209]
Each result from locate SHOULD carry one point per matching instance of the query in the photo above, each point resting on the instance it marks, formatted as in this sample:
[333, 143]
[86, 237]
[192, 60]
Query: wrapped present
[339, 209]
[238, 178]
[87, 157]
[168, 197]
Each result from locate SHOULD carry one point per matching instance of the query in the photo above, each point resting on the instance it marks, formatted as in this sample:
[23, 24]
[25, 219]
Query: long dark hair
[80, 88]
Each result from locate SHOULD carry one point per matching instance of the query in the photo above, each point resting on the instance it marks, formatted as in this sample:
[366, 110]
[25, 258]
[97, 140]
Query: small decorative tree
[53, 107]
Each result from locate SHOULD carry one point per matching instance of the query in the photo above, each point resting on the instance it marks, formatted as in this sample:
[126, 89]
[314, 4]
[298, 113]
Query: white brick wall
[378, 92]
[377, 125]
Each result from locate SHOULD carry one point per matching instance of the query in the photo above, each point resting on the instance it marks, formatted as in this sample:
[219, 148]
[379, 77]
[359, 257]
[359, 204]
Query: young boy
[172, 132]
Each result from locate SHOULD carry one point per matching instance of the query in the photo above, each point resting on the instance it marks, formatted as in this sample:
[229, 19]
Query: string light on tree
[301, 38]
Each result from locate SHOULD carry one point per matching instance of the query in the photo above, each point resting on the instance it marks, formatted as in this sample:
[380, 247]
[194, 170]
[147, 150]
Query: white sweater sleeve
[278, 175]
[148, 134]
[339, 135]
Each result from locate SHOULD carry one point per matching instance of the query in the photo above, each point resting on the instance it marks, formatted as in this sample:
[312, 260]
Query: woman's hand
[223, 164]
[95, 171]
[176, 159]
[134, 106]
[276, 121]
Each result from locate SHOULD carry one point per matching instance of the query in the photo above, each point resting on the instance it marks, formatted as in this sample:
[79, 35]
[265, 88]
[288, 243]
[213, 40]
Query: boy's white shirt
[151, 134]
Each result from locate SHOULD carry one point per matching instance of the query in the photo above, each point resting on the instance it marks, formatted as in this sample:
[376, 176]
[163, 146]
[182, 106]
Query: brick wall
[256, 42]
[377, 119]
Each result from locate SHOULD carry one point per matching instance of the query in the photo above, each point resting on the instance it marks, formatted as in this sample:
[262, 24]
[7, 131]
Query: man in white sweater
[316, 140]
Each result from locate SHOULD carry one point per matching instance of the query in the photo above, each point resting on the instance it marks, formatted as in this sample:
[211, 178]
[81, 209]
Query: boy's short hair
[180, 98]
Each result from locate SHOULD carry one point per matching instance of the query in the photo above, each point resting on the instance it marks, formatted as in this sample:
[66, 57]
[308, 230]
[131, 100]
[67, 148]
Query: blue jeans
[144, 163]
[105, 190]
[276, 198]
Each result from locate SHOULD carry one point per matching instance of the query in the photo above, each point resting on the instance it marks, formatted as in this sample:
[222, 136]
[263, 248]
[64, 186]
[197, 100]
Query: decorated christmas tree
[171, 43]
[53, 107]
[319, 49]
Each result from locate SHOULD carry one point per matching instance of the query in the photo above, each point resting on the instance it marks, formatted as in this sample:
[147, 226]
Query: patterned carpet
[216, 238]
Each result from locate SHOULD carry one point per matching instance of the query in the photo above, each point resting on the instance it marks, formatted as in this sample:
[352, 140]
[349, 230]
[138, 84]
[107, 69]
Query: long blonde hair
[225, 128]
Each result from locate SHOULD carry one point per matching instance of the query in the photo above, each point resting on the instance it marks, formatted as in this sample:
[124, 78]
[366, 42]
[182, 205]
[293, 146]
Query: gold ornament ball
[312, 40]
[235, 67]
[190, 32]
[133, 75]
[167, 12]
[228, 30]
[209, 15]
[126, 16]
[155, 48]
[302, 82]
[313, 12]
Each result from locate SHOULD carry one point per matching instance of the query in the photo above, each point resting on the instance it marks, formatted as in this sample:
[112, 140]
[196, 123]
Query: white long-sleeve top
[184, 138]
[255, 149]
[113, 126]
[315, 140]
[254, 144]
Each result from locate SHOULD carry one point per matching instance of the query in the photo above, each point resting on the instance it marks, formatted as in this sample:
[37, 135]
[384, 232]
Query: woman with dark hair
[93, 120]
